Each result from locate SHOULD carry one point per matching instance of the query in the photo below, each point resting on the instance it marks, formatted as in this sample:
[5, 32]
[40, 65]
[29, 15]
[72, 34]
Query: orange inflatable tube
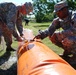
[35, 58]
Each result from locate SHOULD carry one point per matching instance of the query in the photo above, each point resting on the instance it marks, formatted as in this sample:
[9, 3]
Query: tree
[72, 4]
[42, 9]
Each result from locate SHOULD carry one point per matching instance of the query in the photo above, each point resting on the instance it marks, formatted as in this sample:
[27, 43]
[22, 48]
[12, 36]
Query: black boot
[10, 49]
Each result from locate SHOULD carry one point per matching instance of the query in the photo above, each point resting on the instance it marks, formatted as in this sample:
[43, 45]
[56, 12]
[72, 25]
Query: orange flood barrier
[35, 58]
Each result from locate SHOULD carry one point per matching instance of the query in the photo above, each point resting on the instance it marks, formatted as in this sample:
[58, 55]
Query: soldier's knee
[67, 42]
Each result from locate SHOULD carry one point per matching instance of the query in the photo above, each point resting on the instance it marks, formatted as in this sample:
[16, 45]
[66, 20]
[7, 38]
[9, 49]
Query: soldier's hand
[23, 37]
[37, 36]
[41, 35]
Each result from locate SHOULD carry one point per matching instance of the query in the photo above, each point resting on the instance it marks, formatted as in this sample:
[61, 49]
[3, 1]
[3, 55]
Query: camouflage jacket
[68, 23]
[9, 13]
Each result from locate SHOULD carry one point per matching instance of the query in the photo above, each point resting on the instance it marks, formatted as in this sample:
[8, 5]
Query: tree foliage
[72, 4]
[43, 9]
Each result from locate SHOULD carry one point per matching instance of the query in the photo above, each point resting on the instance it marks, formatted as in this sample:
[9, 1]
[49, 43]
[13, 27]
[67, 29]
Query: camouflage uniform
[65, 38]
[19, 21]
[8, 18]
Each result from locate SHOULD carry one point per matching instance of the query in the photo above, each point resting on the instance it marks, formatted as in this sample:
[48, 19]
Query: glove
[37, 36]
[40, 35]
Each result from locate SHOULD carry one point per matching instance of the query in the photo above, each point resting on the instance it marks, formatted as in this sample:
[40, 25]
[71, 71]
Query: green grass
[35, 27]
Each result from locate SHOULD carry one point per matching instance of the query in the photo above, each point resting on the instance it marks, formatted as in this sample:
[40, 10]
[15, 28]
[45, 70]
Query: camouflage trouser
[66, 40]
[6, 33]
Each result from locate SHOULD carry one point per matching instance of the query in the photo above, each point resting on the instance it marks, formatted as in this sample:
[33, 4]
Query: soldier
[10, 14]
[66, 38]
[26, 21]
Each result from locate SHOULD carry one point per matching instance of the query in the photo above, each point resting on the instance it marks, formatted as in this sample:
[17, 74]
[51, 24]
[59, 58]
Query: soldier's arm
[50, 30]
[73, 28]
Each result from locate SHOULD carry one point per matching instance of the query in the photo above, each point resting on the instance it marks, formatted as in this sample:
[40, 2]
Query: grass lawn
[35, 27]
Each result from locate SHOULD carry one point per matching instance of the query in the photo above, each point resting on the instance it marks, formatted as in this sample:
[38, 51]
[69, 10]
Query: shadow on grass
[41, 25]
[5, 57]
[11, 71]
